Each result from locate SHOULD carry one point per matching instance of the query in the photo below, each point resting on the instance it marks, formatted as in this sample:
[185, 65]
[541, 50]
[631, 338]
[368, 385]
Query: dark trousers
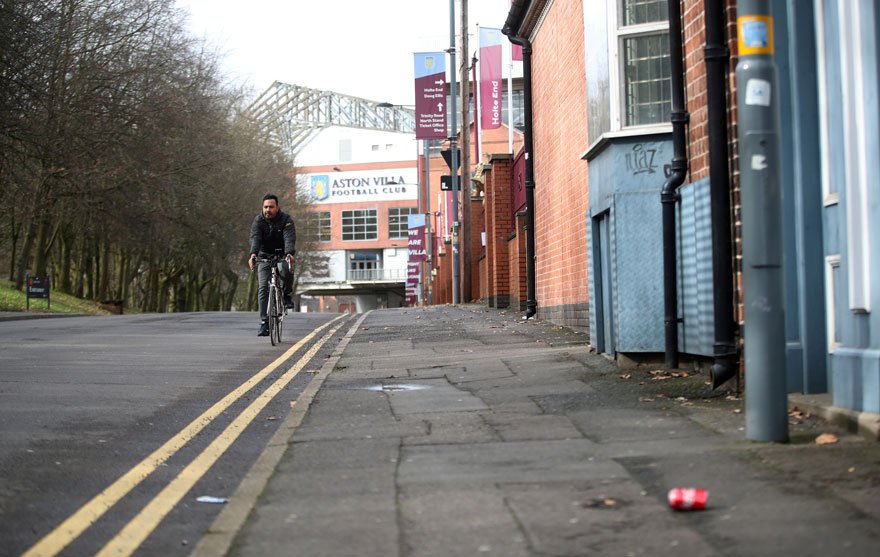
[264, 270]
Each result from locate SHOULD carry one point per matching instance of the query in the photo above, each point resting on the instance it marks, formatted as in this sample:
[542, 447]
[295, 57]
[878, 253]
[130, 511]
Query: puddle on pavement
[396, 388]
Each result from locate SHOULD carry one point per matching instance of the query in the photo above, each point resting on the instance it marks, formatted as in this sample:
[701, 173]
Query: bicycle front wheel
[273, 315]
[279, 303]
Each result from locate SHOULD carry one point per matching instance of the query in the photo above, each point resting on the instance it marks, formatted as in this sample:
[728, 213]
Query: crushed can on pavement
[688, 499]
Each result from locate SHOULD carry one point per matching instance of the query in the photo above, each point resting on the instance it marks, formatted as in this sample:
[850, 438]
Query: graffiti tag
[641, 160]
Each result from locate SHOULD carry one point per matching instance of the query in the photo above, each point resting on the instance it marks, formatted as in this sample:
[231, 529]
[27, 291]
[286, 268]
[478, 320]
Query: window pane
[324, 230]
[398, 223]
[644, 11]
[647, 84]
[359, 225]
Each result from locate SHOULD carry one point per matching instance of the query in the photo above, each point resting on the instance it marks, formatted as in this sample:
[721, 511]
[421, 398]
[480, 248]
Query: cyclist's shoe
[288, 303]
[264, 329]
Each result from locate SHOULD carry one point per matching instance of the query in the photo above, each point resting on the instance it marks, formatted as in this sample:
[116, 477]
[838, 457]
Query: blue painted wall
[696, 332]
[854, 364]
[625, 219]
[805, 315]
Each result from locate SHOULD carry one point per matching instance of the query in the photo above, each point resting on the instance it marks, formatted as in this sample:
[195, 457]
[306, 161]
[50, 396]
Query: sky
[355, 47]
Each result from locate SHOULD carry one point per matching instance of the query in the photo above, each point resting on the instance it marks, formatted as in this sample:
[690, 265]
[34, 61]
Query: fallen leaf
[738, 411]
[827, 439]
[610, 502]
[626, 376]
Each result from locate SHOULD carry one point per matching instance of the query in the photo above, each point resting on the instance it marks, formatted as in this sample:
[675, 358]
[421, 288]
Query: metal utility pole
[465, 158]
[453, 106]
[758, 125]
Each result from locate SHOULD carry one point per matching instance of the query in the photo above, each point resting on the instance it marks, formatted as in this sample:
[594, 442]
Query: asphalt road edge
[219, 537]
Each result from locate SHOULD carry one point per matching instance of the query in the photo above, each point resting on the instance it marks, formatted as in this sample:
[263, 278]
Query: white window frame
[855, 157]
[375, 216]
[829, 197]
[832, 262]
[616, 35]
[405, 233]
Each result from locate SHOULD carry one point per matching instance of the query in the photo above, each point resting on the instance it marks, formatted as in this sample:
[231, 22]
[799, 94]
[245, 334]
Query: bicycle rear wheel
[273, 312]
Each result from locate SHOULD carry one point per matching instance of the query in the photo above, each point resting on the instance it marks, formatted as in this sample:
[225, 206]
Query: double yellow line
[142, 525]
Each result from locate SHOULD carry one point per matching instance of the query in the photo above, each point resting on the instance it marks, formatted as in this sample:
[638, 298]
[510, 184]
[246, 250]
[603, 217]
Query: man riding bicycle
[273, 234]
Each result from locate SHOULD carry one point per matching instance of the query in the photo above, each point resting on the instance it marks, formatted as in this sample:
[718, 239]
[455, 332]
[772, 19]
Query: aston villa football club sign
[320, 190]
[393, 184]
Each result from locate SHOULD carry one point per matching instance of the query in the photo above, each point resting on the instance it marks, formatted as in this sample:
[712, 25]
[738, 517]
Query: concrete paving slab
[619, 425]
[461, 520]
[437, 395]
[526, 427]
[599, 518]
[509, 461]
[450, 427]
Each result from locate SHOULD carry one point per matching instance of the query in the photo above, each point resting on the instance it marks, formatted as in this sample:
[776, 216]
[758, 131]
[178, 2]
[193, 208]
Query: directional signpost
[430, 70]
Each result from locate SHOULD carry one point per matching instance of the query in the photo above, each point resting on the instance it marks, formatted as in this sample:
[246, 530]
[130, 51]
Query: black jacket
[273, 236]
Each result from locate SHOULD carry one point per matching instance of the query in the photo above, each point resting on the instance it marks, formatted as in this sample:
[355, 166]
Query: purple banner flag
[490, 78]
[516, 53]
[430, 72]
[417, 251]
[417, 256]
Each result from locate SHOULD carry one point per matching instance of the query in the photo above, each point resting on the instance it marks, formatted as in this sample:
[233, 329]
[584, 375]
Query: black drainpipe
[669, 195]
[514, 18]
[717, 56]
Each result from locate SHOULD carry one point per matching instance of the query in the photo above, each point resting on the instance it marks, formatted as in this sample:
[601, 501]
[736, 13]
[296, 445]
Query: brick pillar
[499, 225]
[477, 228]
[517, 250]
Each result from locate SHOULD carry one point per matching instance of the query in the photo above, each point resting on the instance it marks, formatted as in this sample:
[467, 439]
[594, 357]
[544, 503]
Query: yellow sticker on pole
[755, 34]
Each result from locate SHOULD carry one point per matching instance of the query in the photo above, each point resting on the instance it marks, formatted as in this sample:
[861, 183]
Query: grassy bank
[13, 300]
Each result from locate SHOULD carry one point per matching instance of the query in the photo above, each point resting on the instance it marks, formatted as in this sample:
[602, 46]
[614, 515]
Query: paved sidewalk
[464, 431]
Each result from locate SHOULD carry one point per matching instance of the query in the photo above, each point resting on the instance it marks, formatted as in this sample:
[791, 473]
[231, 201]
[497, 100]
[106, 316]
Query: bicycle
[275, 308]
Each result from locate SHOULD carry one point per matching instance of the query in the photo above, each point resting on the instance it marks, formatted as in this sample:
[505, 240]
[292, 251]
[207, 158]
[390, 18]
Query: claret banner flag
[430, 71]
[490, 78]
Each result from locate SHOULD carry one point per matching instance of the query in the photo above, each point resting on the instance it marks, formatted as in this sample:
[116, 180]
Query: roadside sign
[447, 156]
[37, 287]
[446, 182]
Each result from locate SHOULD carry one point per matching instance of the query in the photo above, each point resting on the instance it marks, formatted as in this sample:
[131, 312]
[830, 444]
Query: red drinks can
[688, 499]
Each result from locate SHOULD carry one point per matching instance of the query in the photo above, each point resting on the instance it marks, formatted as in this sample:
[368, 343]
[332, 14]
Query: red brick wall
[497, 201]
[560, 137]
[443, 279]
[483, 288]
[477, 227]
[516, 249]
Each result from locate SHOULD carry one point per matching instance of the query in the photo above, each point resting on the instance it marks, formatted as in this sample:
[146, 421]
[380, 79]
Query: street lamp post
[456, 271]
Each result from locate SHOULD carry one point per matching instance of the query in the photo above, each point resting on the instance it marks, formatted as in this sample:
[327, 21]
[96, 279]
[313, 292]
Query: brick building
[602, 79]
[363, 185]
